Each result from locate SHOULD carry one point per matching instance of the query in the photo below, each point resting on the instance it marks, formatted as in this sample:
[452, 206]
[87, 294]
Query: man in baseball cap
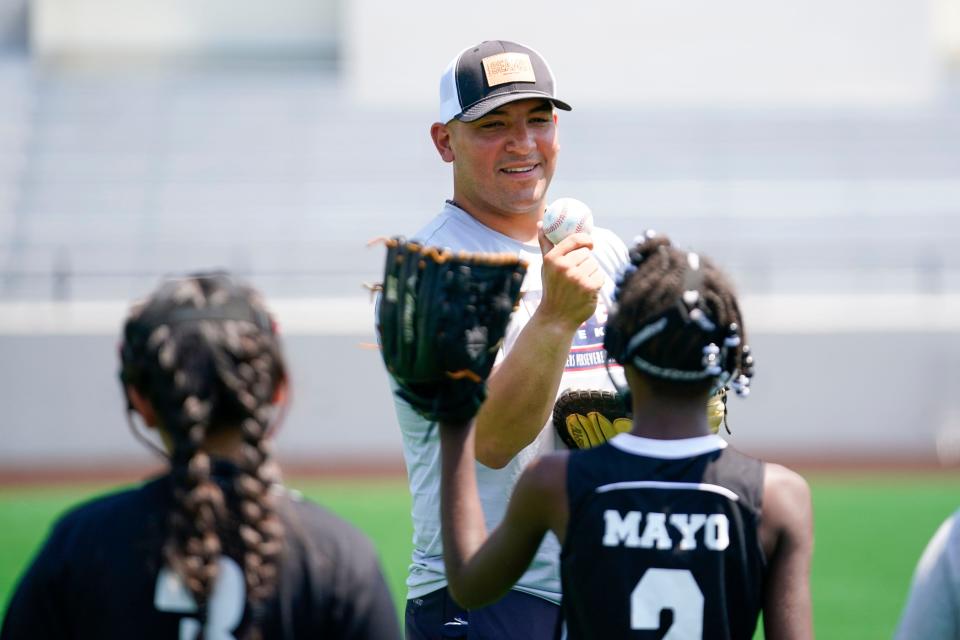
[498, 129]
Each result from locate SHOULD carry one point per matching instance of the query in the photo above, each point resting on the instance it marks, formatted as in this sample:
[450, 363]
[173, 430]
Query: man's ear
[440, 133]
[142, 406]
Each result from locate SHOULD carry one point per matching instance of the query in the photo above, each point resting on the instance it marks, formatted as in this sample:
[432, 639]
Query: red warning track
[386, 468]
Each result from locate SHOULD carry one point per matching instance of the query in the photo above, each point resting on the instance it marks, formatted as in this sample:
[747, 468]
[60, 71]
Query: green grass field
[870, 530]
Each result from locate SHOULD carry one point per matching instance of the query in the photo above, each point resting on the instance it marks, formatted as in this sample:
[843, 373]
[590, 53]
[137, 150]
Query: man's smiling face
[504, 161]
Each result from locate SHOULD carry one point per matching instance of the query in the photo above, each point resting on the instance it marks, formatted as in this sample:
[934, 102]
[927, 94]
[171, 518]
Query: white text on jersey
[627, 531]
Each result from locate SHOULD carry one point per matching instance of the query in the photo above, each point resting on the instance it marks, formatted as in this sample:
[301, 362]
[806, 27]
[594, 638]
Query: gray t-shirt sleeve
[932, 611]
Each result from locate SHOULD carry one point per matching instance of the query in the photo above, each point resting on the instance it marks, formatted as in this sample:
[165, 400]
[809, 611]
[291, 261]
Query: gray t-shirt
[456, 229]
[932, 611]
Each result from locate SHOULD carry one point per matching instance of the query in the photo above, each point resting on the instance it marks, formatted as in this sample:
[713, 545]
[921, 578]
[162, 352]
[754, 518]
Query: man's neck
[519, 226]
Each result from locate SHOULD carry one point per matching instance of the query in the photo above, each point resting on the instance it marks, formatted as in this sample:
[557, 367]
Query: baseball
[565, 216]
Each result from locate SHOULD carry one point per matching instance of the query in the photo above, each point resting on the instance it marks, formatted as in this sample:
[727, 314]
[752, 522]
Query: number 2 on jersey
[228, 599]
[674, 589]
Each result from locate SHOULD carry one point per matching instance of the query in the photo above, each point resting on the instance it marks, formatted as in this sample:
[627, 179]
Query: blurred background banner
[695, 53]
[813, 149]
[135, 27]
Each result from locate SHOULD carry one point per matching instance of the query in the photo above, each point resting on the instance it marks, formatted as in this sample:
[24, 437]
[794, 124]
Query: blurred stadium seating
[114, 172]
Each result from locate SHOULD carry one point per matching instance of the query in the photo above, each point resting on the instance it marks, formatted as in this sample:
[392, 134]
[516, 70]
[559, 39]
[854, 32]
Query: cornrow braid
[204, 352]
[678, 321]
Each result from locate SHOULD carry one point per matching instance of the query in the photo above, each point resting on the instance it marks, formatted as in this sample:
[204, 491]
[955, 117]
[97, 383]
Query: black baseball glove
[441, 319]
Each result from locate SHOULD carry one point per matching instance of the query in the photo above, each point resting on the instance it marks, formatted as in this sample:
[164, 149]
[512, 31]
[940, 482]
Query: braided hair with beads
[677, 321]
[205, 354]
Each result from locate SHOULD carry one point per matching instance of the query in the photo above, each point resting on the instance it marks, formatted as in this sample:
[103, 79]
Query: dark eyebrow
[545, 105]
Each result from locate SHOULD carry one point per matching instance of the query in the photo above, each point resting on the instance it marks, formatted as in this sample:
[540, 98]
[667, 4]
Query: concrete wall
[841, 385]
[64, 407]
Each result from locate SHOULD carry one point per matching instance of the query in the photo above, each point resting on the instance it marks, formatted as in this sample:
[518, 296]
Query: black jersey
[663, 538]
[100, 575]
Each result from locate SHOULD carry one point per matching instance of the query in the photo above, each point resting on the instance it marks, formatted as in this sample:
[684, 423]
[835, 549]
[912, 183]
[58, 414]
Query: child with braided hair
[216, 548]
[666, 531]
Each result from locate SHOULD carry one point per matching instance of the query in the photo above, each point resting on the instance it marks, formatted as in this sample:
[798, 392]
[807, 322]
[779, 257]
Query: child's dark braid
[252, 383]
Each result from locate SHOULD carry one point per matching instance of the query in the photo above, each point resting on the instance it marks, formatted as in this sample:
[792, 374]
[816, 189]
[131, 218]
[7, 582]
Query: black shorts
[515, 616]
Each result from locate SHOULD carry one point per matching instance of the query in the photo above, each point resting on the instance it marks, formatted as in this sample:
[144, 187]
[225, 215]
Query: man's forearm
[521, 391]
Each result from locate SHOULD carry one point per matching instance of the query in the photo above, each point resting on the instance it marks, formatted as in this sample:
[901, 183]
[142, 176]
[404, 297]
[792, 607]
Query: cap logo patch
[508, 67]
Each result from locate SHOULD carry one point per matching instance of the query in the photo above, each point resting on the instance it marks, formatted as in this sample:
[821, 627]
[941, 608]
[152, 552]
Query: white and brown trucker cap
[491, 74]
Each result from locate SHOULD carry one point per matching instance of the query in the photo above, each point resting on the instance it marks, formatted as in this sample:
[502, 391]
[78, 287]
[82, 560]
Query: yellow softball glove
[585, 419]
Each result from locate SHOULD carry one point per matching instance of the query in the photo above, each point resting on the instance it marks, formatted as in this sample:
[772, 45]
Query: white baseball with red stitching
[565, 216]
